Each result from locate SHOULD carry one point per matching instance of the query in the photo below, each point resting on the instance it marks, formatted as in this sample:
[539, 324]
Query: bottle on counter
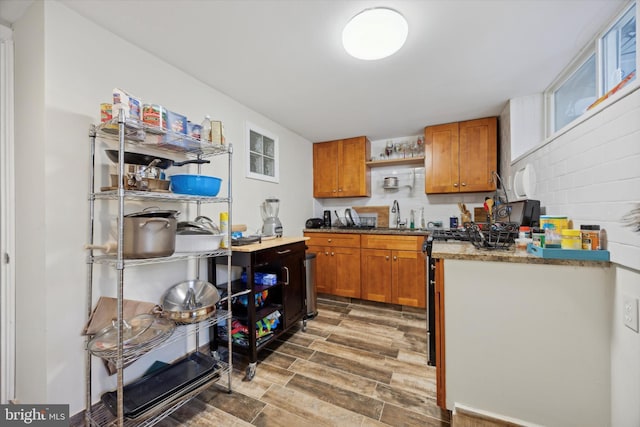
[524, 232]
[224, 229]
[205, 131]
[537, 235]
[590, 237]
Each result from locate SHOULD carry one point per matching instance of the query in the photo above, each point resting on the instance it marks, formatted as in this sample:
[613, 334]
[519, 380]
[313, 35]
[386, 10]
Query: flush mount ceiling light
[375, 33]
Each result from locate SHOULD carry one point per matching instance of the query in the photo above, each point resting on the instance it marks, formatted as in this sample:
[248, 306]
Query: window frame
[593, 47]
[249, 128]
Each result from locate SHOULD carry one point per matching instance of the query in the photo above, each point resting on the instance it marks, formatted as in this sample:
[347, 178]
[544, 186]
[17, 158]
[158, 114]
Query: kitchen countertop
[267, 244]
[466, 251]
[383, 230]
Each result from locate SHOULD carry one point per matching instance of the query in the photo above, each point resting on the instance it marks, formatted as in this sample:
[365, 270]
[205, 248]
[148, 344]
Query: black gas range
[450, 234]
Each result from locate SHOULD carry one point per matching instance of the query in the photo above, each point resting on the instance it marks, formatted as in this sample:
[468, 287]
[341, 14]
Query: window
[619, 50]
[262, 154]
[575, 95]
[611, 59]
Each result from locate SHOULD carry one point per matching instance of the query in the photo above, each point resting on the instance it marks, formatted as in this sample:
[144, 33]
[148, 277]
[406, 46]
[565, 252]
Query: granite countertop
[382, 230]
[466, 251]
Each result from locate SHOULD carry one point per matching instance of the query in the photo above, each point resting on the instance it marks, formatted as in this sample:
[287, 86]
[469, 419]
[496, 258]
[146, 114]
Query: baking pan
[148, 391]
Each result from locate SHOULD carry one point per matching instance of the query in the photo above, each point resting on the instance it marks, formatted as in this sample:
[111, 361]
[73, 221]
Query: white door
[7, 220]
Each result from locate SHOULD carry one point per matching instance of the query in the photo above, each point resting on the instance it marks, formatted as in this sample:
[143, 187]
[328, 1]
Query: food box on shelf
[176, 122]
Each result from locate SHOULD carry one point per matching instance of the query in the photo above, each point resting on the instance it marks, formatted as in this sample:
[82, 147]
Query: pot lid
[201, 225]
[190, 295]
[154, 212]
[137, 332]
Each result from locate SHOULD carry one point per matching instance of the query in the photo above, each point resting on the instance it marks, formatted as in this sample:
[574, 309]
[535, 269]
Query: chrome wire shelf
[113, 260]
[139, 133]
[156, 196]
[182, 330]
[101, 416]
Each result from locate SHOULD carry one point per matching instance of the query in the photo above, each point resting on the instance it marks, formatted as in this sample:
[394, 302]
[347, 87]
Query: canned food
[106, 112]
[154, 115]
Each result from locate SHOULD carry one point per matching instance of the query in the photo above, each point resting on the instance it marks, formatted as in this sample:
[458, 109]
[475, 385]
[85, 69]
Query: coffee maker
[271, 225]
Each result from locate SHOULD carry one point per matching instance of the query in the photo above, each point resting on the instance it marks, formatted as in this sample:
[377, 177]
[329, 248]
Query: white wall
[530, 342]
[591, 173]
[65, 67]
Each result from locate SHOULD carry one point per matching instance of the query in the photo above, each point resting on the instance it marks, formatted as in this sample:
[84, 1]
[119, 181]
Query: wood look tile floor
[356, 365]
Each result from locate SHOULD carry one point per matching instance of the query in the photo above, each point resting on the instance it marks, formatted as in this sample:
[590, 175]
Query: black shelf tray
[148, 391]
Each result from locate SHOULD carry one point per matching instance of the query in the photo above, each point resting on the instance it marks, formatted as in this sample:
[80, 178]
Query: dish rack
[492, 236]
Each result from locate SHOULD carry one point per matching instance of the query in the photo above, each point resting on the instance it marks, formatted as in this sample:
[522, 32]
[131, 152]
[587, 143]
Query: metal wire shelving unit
[127, 133]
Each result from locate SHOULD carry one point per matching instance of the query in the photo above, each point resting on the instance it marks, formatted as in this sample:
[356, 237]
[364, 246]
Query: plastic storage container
[590, 237]
[571, 239]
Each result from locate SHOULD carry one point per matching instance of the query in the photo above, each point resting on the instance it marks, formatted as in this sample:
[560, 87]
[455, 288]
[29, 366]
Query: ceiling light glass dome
[375, 33]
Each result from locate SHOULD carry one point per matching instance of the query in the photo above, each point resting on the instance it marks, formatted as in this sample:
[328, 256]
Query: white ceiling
[463, 59]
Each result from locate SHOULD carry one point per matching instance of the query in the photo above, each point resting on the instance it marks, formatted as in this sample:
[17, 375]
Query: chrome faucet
[396, 210]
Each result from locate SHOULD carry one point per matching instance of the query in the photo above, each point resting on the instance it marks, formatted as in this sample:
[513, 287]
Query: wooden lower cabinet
[392, 269]
[374, 267]
[337, 263]
[337, 270]
[397, 277]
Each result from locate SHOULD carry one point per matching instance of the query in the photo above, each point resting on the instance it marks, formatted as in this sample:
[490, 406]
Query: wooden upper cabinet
[461, 157]
[340, 169]
[441, 158]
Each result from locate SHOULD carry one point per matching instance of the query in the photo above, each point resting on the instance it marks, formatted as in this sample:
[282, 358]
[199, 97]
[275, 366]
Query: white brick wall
[591, 173]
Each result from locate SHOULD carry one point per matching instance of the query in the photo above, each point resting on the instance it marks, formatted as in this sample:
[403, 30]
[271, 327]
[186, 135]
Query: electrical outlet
[630, 312]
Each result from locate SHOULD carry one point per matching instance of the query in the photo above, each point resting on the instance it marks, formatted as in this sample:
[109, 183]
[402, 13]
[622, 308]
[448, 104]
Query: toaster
[314, 223]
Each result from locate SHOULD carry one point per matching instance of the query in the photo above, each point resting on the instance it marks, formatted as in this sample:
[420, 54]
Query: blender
[271, 225]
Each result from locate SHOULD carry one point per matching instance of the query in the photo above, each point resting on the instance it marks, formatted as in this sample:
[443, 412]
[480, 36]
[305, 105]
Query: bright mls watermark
[34, 415]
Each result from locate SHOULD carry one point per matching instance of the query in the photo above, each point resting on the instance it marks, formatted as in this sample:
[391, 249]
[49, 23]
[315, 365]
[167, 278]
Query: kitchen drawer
[386, 241]
[343, 240]
[270, 255]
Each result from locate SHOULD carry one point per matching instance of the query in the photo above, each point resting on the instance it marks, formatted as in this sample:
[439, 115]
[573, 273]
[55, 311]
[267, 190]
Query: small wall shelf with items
[396, 162]
[138, 403]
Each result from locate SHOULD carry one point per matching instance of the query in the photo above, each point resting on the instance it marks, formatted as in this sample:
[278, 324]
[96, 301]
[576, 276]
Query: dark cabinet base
[268, 309]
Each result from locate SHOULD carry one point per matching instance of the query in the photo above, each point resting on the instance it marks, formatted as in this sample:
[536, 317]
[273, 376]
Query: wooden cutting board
[382, 211]
[479, 215]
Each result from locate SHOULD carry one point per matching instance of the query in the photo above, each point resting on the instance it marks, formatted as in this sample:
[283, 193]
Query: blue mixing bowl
[196, 185]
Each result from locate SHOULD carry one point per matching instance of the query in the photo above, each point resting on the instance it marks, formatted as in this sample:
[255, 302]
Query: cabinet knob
[395, 258]
[464, 184]
[339, 190]
[326, 253]
[332, 253]
[387, 257]
[333, 191]
[329, 240]
[455, 184]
